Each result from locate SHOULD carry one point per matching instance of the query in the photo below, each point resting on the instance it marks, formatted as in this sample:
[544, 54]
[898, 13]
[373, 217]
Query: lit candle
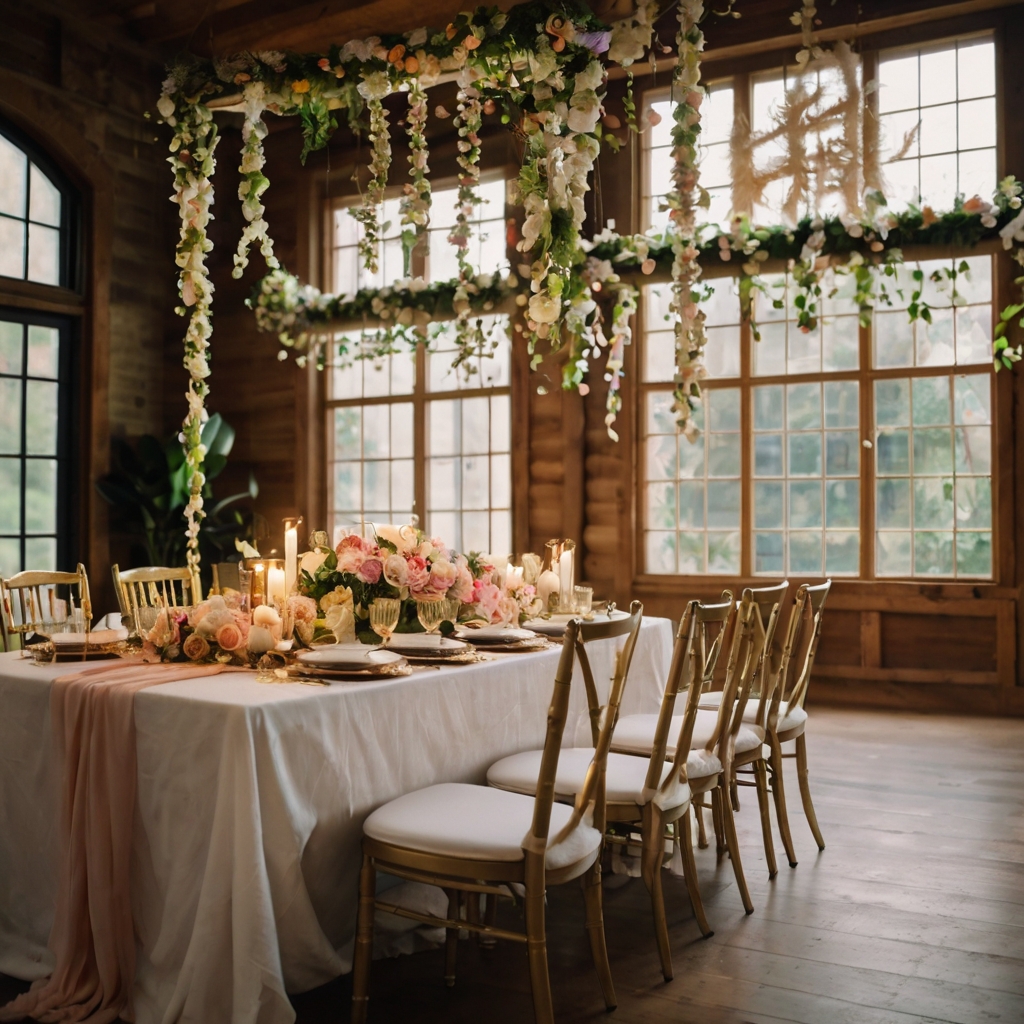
[291, 555]
[565, 581]
[514, 578]
[276, 589]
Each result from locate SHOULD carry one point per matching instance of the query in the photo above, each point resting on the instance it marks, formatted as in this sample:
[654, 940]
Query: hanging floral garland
[192, 157]
[254, 183]
[373, 88]
[683, 203]
[414, 207]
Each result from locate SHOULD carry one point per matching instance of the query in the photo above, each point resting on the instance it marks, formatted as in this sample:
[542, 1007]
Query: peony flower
[370, 570]
[302, 609]
[486, 598]
[195, 647]
[462, 588]
[418, 575]
[396, 570]
[229, 637]
[443, 575]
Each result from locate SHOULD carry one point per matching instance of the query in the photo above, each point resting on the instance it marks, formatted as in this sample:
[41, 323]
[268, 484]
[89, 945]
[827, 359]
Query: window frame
[421, 395]
[740, 76]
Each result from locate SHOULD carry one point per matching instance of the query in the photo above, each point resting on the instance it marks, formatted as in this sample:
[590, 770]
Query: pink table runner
[93, 936]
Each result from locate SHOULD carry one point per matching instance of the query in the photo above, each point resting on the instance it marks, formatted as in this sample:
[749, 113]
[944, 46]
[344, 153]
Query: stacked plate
[352, 661]
[555, 624]
[430, 647]
[501, 638]
[100, 643]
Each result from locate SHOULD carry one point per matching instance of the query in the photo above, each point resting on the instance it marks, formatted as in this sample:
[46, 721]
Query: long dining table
[251, 798]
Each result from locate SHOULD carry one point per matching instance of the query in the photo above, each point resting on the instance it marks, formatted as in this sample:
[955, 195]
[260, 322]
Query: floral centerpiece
[402, 562]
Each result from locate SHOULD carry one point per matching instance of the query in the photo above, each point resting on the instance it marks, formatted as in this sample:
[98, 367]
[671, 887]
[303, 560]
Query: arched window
[38, 212]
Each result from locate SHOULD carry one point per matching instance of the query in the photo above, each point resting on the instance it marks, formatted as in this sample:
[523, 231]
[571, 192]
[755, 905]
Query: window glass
[937, 122]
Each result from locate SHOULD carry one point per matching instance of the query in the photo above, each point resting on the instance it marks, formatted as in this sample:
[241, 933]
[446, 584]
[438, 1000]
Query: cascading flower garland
[254, 183]
[373, 88]
[683, 202]
[192, 157]
[414, 207]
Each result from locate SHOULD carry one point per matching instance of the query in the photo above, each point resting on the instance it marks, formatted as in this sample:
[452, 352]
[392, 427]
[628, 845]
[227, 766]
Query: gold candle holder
[562, 562]
[268, 580]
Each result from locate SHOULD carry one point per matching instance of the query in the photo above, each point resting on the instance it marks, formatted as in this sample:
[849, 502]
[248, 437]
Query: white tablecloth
[251, 800]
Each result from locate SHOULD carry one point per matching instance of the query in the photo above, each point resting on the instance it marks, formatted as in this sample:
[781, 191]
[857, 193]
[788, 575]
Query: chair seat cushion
[789, 719]
[624, 776]
[476, 823]
[634, 734]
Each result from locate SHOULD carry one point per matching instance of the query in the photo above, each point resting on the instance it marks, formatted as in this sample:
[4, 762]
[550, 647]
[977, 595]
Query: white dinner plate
[347, 656]
[555, 626]
[427, 644]
[493, 634]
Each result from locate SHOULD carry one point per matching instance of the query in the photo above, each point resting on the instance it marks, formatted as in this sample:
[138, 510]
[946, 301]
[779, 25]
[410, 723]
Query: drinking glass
[384, 615]
[584, 597]
[245, 587]
[431, 614]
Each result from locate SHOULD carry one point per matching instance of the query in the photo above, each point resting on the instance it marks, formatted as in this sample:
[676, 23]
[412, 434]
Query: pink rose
[396, 570]
[352, 552]
[507, 611]
[462, 589]
[370, 570]
[229, 637]
[303, 609]
[418, 574]
[442, 576]
[487, 598]
[165, 630]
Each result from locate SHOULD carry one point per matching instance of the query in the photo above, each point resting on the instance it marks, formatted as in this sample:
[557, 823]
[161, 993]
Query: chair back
[693, 665]
[768, 603]
[802, 635]
[629, 627]
[30, 601]
[154, 587]
[744, 656]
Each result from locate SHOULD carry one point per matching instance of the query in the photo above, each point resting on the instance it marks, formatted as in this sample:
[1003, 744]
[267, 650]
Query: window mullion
[867, 462]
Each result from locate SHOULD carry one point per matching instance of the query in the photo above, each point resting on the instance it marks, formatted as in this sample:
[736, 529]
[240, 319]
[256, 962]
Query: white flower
[374, 86]
[584, 112]
[591, 77]
[544, 308]
[416, 38]
[165, 105]
[197, 366]
[361, 49]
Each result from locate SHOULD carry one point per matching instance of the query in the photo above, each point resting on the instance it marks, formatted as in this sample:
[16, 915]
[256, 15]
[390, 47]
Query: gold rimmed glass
[384, 615]
[430, 614]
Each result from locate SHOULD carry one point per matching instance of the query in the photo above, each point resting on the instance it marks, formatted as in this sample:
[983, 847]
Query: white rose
[165, 105]
[311, 561]
[544, 309]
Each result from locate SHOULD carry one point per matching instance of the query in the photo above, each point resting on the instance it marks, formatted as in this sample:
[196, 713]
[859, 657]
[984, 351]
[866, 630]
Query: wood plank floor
[914, 912]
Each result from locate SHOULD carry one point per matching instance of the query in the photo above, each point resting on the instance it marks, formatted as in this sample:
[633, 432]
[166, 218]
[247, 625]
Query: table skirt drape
[251, 798]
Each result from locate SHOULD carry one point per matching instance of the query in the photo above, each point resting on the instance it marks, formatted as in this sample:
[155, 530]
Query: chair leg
[537, 951]
[716, 818]
[729, 826]
[761, 779]
[364, 941]
[652, 856]
[779, 792]
[734, 791]
[805, 789]
[690, 875]
[490, 918]
[595, 929]
[451, 938]
[702, 836]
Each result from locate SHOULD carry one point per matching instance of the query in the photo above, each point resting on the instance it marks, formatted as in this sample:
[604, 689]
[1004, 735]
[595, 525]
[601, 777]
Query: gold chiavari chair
[651, 794]
[786, 718]
[154, 587]
[715, 737]
[478, 839]
[29, 600]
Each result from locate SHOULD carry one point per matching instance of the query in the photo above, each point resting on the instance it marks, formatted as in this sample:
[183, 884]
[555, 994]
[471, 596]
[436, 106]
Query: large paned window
[845, 450]
[408, 434]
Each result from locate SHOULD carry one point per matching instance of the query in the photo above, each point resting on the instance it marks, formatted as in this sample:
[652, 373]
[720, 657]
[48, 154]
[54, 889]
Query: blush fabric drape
[93, 936]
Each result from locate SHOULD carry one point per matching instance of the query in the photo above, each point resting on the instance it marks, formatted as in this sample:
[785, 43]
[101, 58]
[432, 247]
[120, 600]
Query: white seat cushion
[624, 776]
[477, 823]
[788, 720]
[634, 734]
[793, 719]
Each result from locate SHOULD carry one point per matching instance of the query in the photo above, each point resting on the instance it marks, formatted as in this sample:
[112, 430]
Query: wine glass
[431, 614]
[384, 615]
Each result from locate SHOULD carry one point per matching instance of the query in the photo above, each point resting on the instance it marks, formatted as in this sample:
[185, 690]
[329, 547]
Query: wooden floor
[914, 912]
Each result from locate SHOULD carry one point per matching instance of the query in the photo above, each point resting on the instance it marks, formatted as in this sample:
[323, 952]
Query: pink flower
[370, 570]
[150, 655]
[462, 589]
[195, 647]
[507, 611]
[229, 637]
[243, 621]
[303, 609]
[418, 575]
[443, 575]
[487, 598]
[165, 630]
[352, 551]
[975, 205]
[396, 570]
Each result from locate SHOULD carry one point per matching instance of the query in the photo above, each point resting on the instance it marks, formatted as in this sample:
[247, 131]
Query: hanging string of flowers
[414, 207]
[254, 183]
[192, 157]
[373, 88]
[683, 201]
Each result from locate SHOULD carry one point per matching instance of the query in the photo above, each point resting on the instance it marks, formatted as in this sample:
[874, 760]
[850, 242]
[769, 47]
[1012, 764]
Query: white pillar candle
[276, 589]
[514, 578]
[565, 581]
[547, 585]
[291, 558]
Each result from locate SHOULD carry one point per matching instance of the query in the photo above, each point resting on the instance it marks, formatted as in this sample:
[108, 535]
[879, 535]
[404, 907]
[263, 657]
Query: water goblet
[384, 615]
[431, 614]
